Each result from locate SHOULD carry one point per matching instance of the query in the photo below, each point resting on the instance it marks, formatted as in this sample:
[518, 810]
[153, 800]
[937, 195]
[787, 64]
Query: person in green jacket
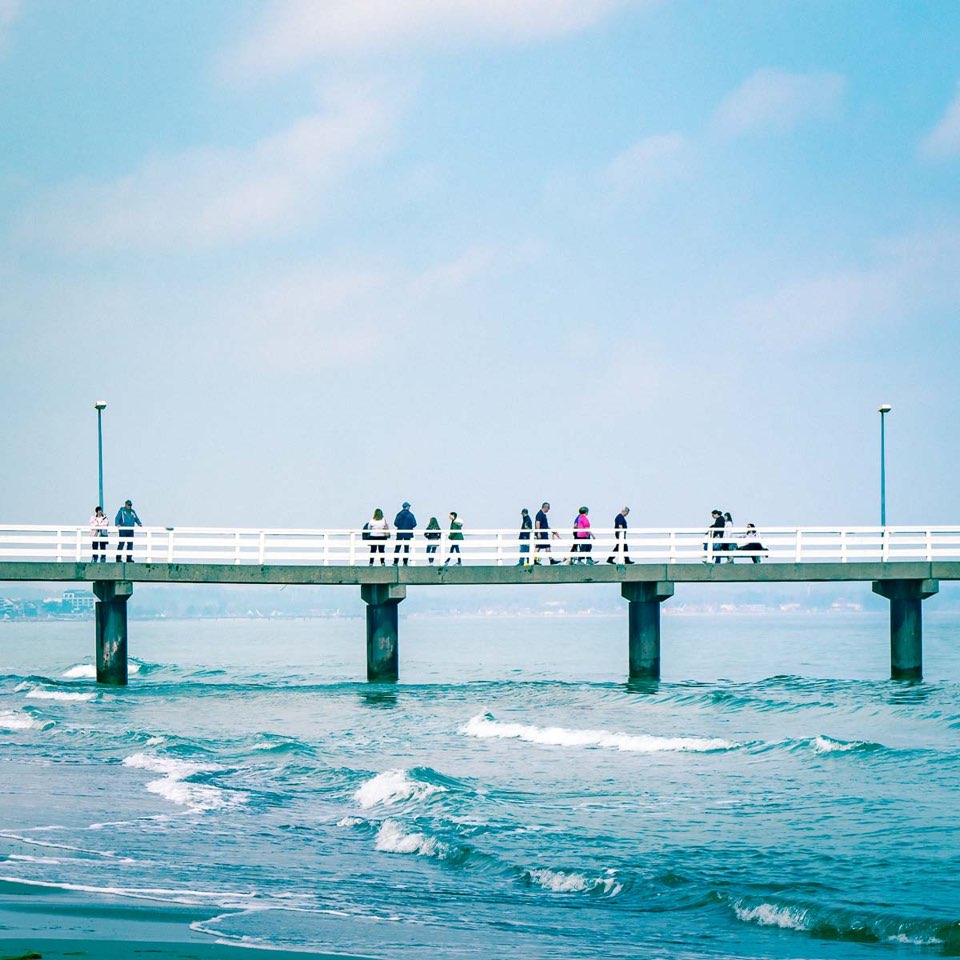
[456, 535]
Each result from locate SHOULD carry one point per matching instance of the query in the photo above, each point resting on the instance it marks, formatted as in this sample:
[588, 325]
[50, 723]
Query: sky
[320, 256]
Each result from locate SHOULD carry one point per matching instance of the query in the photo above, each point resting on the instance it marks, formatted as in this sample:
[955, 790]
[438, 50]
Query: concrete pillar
[112, 597]
[383, 652]
[906, 624]
[644, 599]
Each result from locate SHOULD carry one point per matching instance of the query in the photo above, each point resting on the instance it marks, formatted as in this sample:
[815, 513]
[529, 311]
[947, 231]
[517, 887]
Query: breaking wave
[393, 786]
[484, 726]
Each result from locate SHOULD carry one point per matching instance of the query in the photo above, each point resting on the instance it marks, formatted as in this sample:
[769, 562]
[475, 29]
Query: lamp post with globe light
[100, 406]
[883, 409]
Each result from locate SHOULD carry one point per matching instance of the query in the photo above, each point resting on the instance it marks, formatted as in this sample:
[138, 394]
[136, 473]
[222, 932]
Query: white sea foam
[392, 786]
[392, 838]
[485, 726]
[42, 693]
[824, 744]
[155, 741]
[85, 670]
[26, 858]
[350, 821]
[167, 895]
[174, 785]
[562, 881]
[18, 720]
[770, 915]
[914, 941]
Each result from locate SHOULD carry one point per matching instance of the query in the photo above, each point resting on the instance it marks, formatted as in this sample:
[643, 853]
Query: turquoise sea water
[774, 796]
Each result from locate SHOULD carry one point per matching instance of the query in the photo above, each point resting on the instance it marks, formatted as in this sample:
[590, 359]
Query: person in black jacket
[620, 532]
[715, 534]
[526, 525]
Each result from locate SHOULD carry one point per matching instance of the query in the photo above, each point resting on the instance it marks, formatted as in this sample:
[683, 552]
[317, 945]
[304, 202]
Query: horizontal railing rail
[490, 547]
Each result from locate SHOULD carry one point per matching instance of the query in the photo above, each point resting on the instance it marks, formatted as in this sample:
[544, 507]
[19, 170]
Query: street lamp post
[100, 406]
[884, 409]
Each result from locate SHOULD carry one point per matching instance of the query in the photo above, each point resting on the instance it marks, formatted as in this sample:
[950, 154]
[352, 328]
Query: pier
[904, 565]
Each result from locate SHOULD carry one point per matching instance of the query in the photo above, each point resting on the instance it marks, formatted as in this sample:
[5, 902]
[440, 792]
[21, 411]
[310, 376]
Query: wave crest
[393, 786]
[485, 726]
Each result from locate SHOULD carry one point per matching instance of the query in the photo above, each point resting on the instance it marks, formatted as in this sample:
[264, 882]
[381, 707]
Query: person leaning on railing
[378, 532]
[99, 532]
[125, 519]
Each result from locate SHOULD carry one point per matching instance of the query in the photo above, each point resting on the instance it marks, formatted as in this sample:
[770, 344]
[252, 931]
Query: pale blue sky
[323, 256]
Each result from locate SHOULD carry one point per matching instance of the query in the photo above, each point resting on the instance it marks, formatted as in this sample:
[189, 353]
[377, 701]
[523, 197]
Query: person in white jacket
[378, 532]
[99, 527]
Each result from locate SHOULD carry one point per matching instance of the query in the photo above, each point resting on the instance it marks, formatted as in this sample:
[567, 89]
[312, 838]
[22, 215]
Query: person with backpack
[432, 534]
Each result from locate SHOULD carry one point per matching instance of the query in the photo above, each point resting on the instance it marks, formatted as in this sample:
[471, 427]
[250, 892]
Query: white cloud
[773, 99]
[650, 161]
[294, 31]
[943, 140]
[210, 196]
[9, 11]
[906, 278]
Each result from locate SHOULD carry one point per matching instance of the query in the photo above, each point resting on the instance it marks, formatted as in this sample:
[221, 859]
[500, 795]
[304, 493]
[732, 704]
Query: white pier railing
[183, 545]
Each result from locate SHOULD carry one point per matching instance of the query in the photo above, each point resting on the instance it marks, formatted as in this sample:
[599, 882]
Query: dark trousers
[431, 552]
[405, 546]
[621, 542]
[126, 536]
[100, 550]
[380, 548]
[454, 549]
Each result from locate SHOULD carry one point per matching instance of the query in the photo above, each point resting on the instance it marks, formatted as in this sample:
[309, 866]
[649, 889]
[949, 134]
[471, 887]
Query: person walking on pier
[582, 537]
[620, 532]
[379, 532]
[99, 527]
[432, 535]
[714, 535]
[526, 525]
[125, 519]
[544, 533]
[456, 535]
[405, 522]
[728, 544]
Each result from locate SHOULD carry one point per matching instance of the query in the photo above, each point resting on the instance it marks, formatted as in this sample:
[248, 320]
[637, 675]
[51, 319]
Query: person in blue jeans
[126, 519]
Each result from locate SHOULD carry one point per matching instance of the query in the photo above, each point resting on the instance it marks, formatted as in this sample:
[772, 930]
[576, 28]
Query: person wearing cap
[125, 519]
[406, 523]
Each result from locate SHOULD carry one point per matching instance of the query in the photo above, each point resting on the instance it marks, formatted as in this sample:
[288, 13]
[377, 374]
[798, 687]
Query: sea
[774, 795]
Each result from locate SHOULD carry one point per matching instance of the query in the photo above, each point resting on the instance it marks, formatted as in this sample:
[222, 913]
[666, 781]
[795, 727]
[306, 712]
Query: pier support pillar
[906, 624]
[111, 609]
[644, 601]
[383, 654]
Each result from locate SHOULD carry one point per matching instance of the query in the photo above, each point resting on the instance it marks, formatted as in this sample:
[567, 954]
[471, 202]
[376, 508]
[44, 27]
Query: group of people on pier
[719, 542]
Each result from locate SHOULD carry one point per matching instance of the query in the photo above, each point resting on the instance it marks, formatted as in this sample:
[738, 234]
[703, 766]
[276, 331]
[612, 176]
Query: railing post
[843, 546]
[673, 546]
[325, 548]
[262, 548]
[929, 544]
[236, 548]
[884, 544]
[149, 545]
[499, 548]
[353, 548]
[59, 545]
[170, 551]
[798, 545]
